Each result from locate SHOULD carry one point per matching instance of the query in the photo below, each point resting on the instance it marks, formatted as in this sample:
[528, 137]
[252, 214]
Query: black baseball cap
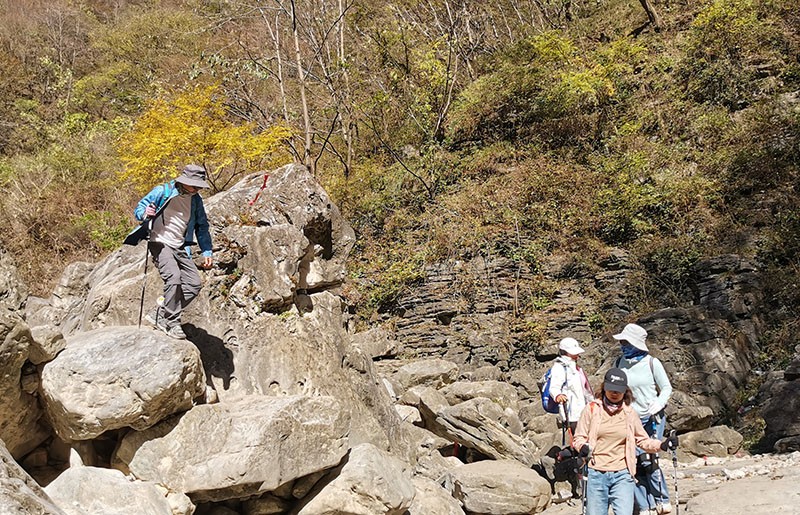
[615, 381]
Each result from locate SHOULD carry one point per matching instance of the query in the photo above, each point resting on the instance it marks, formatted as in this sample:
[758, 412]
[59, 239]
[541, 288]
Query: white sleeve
[558, 377]
[661, 379]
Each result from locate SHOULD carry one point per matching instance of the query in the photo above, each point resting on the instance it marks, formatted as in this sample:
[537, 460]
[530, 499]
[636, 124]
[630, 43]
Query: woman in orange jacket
[607, 435]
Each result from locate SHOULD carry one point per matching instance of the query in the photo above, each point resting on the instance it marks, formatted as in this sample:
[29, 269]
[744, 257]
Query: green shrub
[630, 204]
[500, 103]
[763, 149]
[106, 230]
[390, 279]
[545, 91]
[729, 47]
[369, 195]
[668, 263]
[6, 172]
[578, 91]
[496, 105]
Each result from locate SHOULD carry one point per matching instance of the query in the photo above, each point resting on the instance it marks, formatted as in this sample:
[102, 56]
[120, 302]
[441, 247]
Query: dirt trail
[766, 484]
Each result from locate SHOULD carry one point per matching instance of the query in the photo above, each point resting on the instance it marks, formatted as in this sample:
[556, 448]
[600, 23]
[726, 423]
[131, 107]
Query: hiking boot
[154, 316]
[176, 331]
[664, 508]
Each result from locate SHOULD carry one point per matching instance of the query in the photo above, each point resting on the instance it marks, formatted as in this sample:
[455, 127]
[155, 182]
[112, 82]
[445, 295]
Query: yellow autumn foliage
[193, 127]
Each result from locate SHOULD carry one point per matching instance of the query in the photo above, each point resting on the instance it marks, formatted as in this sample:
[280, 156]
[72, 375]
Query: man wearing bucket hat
[651, 390]
[569, 384]
[608, 433]
[178, 216]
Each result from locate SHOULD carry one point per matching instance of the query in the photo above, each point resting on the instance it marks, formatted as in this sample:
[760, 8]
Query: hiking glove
[669, 443]
[585, 451]
[565, 454]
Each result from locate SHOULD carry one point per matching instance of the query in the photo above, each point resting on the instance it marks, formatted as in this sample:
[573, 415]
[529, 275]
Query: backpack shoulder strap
[653, 373]
[166, 195]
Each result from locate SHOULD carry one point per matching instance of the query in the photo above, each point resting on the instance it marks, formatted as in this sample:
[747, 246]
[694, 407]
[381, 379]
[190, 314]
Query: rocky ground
[271, 369]
[767, 484]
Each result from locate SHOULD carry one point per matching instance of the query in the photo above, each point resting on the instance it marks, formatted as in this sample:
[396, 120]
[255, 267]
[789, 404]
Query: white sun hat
[635, 335]
[570, 346]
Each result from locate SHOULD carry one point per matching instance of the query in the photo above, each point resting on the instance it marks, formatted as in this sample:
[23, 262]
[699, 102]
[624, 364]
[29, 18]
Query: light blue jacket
[647, 384]
[198, 221]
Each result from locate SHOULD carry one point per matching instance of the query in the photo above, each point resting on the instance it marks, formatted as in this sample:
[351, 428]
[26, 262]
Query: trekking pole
[675, 473]
[584, 483]
[144, 280]
[564, 422]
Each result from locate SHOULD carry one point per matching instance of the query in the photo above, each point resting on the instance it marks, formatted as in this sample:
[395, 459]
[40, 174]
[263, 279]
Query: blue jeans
[614, 489]
[651, 485]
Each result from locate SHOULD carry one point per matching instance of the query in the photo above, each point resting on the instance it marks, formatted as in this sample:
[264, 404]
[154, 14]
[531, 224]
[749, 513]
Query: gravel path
[767, 484]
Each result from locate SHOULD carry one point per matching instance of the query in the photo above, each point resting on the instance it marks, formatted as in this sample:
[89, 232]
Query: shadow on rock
[555, 471]
[217, 359]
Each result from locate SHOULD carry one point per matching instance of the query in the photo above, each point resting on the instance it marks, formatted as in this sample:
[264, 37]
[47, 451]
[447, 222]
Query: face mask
[610, 406]
[631, 352]
[184, 192]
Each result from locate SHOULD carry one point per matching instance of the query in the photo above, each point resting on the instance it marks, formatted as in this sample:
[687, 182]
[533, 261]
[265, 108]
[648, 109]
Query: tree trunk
[301, 75]
[347, 133]
[275, 35]
[652, 15]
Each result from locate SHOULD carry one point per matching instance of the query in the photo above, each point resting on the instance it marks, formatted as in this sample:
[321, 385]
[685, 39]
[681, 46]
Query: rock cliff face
[709, 344]
[273, 406]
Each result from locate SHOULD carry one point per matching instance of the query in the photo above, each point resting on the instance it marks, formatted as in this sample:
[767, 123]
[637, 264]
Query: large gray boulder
[429, 372]
[239, 448]
[477, 424]
[13, 292]
[63, 310]
[431, 498]
[499, 488]
[119, 377]
[88, 490]
[502, 393]
[781, 411]
[307, 353]
[21, 424]
[686, 414]
[718, 441]
[371, 482]
[295, 203]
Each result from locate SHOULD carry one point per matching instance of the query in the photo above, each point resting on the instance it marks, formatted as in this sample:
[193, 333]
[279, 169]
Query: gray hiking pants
[181, 280]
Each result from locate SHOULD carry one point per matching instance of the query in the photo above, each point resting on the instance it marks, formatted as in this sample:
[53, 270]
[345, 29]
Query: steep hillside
[582, 162]
[674, 145]
[588, 176]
